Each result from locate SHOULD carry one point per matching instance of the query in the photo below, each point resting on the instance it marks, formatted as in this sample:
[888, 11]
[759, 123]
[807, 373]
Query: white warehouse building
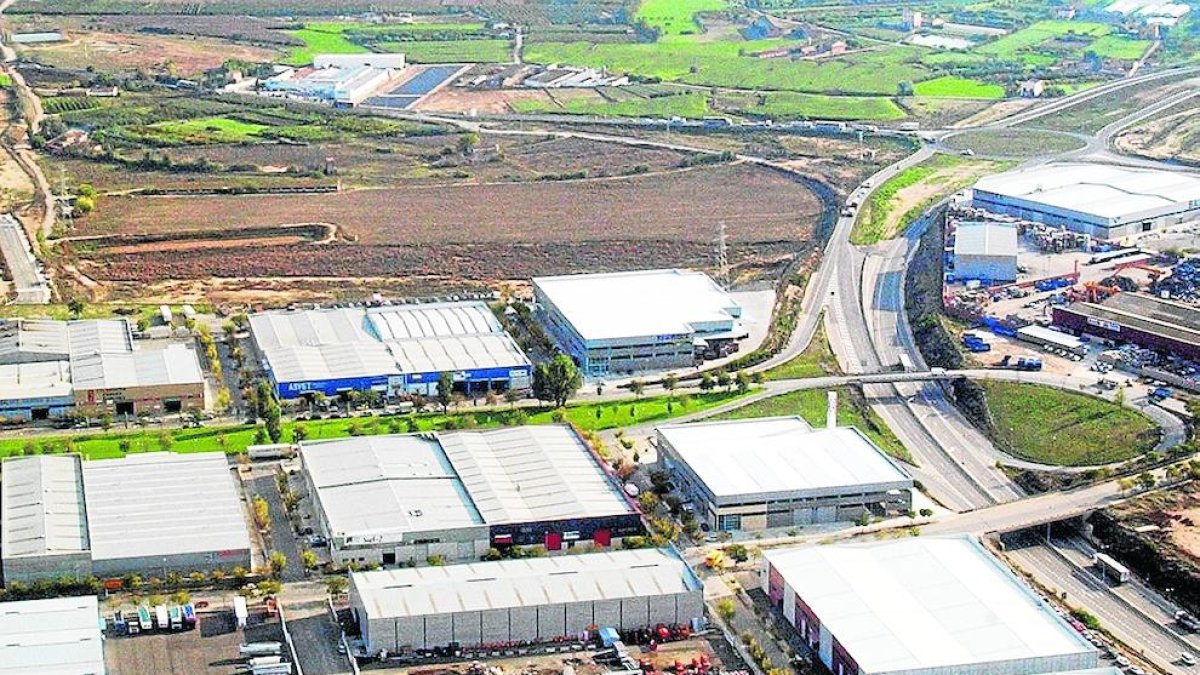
[924, 605]
[985, 251]
[1105, 201]
[630, 321]
[529, 599]
[56, 636]
[779, 472]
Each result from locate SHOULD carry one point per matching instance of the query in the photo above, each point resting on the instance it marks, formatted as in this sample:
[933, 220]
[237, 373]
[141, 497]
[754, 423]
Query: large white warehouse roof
[778, 456]
[1101, 190]
[527, 582]
[638, 304]
[924, 602]
[58, 636]
[161, 503]
[41, 506]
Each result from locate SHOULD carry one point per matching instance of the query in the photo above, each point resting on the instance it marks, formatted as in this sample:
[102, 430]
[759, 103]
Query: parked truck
[254, 649]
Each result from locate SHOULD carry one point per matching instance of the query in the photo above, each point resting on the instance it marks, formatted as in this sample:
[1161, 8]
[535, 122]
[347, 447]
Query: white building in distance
[985, 251]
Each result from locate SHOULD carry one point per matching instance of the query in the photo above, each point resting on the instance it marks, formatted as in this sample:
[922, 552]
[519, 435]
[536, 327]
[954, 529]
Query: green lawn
[318, 41]
[452, 51]
[209, 130]
[811, 404]
[676, 17]
[816, 361]
[1028, 39]
[785, 105]
[1052, 426]
[958, 87]
[592, 416]
[727, 64]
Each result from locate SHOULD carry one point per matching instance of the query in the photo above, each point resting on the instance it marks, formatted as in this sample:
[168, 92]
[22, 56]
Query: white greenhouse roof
[1096, 189]
[923, 603]
[377, 485]
[58, 636]
[527, 582]
[126, 519]
[987, 239]
[41, 506]
[532, 473]
[638, 304]
[175, 364]
[778, 456]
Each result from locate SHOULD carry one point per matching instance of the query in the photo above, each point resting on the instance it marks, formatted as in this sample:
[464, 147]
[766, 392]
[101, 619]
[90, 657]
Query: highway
[1064, 570]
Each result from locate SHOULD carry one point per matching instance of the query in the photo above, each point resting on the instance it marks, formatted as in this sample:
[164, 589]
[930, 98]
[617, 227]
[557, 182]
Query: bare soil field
[460, 235]
[237, 29]
[1175, 136]
[451, 99]
[755, 204]
[121, 51]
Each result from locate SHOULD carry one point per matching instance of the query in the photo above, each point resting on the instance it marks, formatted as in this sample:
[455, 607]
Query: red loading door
[602, 537]
[553, 541]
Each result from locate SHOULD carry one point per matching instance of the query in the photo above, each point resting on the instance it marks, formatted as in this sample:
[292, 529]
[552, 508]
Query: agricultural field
[1044, 42]
[676, 17]
[114, 52]
[897, 203]
[957, 87]
[420, 42]
[1051, 426]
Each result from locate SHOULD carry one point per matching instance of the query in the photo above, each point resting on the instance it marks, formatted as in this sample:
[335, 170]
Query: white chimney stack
[831, 413]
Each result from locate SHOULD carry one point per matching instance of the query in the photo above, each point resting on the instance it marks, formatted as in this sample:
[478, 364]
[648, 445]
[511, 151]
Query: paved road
[313, 629]
[1156, 642]
[31, 286]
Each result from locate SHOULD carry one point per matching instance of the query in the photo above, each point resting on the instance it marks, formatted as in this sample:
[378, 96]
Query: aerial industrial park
[623, 337]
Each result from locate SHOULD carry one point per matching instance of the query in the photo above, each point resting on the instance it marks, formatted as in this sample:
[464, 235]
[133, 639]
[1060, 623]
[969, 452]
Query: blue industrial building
[394, 350]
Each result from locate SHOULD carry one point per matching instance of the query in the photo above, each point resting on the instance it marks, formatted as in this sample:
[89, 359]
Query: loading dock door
[553, 541]
[602, 537]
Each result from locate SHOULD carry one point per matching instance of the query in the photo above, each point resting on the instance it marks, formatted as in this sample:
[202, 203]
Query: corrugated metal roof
[59, 636]
[41, 506]
[45, 379]
[1102, 190]
[315, 345]
[639, 304]
[990, 239]
[173, 365]
[531, 473]
[23, 340]
[925, 602]
[779, 456]
[162, 503]
[421, 591]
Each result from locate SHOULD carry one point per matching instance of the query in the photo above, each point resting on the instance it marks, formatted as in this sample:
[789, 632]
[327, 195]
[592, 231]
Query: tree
[76, 306]
[726, 609]
[707, 382]
[637, 387]
[84, 205]
[904, 88]
[336, 585]
[511, 396]
[262, 512]
[299, 433]
[277, 562]
[723, 379]
[165, 441]
[309, 557]
[670, 381]
[557, 380]
[743, 382]
[445, 391]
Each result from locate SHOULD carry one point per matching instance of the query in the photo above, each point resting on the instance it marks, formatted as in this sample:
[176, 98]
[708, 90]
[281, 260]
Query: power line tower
[722, 255]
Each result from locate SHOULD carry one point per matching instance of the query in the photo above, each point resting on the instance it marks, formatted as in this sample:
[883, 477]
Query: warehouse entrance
[124, 408]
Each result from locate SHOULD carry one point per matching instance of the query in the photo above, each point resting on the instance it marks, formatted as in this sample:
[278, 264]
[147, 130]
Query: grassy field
[1020, 143]
[950, 86]
[811, 405]
[1040, 43]
[816, 361]
[785, 105]
[1013, 45]
[210, 130]
[728, 64]
[1119, 47]
[894, 205]
[676, 17]
[1051, 426]
[592, 416]
[318, 40]
[452, 51]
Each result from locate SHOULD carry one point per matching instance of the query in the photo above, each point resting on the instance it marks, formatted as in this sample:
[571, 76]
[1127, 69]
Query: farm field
[420, 42]
[1051, 426]
[320, 41]
[897, 203]
[126, 52]
[1043, 42]
[676, 17]
[724, 64]
[235, 439]
[453, 51]
[957, 87]
[811, 405]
